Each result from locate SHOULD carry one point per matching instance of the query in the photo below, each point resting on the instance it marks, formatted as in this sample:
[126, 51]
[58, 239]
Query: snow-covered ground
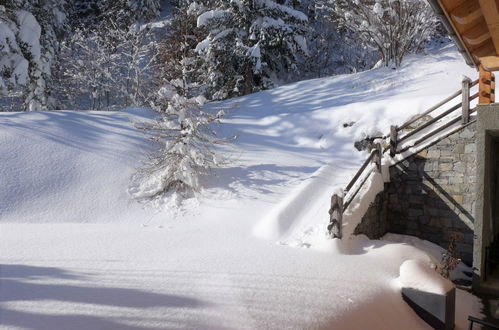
[77, 252]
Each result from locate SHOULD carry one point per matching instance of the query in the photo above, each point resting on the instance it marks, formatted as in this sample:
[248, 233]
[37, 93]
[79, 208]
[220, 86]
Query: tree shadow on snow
[20, 283]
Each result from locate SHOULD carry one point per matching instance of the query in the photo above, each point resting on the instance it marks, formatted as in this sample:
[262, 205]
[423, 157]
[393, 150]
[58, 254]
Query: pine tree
[249, 44]
[31, 44]
[13, 64]
[177, 58]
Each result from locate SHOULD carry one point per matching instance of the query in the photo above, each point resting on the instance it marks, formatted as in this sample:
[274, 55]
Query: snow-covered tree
[51, 16]
[94, 14]
[186, 143]
[331, 50]
[392, 27]
[249, 44]
[177, 57]
[29, 36]
[13, 65]
[106, 68]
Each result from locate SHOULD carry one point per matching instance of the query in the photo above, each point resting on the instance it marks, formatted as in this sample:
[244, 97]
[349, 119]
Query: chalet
[442, 183]
[474, 26]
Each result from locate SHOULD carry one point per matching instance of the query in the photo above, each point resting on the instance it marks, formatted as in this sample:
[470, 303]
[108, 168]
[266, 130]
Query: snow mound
[422, 276]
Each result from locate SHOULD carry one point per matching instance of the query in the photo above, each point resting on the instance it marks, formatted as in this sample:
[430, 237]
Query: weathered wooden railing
[340, 203]
[429, 129]
[464, 117]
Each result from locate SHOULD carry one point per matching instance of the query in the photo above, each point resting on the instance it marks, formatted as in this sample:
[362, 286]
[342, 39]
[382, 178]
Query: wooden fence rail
[339, 204]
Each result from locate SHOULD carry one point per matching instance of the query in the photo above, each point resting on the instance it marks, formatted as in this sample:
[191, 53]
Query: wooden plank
[467, 12]
[490, 63]
[477, 34]
[359, 172]
[491, 13]
[433, 108]
[466, 100]
[450, 6]
[352, 196]
[487, 49]
[436, 131]
[429, 123]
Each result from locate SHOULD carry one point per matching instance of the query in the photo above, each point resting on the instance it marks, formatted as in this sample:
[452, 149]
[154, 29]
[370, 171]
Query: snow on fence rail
[423, 133]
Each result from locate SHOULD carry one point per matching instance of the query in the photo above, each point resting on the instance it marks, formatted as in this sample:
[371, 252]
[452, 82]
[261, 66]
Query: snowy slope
[76, 252]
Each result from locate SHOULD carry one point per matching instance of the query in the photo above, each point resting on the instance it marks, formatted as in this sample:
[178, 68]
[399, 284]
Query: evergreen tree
[177, 57]
[250, 43]
[29, 41]
[187, 144]
[122, 14]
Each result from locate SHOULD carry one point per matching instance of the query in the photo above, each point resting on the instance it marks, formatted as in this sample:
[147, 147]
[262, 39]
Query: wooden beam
[490, 63]
[487, 49]
[490, 11]
[467, 12]
[485, 87]
[454, 27]
[450, 5]
[477, 35]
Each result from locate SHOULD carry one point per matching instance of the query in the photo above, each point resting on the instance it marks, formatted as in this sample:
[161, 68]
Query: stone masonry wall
[430, 195]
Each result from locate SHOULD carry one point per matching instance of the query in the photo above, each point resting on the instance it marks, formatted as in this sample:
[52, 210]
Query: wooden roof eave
[435, 4]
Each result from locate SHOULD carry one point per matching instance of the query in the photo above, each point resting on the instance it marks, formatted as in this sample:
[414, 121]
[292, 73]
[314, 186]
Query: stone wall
[430, 195]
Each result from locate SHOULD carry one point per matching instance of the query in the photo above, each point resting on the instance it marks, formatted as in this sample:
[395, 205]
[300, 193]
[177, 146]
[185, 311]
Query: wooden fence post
[393, 140]
[466, 100]
[336, 216]
[377, 158]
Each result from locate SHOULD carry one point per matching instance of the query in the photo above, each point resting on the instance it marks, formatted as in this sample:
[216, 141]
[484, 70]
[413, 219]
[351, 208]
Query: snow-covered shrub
[249, 44]
[186, 144]
[393, 27]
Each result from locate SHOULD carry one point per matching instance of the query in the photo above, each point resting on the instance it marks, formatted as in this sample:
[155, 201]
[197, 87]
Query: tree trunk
[248, 80]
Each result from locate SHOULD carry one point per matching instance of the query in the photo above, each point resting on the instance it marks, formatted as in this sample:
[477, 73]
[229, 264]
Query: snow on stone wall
[430, 195]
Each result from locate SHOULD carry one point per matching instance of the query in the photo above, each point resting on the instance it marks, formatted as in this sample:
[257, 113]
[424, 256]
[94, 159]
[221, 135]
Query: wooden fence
[398, 134]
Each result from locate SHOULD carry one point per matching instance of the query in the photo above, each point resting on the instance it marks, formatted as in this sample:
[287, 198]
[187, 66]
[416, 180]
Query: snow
[29, 33]
[209, 15]
[250, 251]
[419, 275]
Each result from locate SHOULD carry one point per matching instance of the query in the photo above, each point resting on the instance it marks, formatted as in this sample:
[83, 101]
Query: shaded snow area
[250, 252]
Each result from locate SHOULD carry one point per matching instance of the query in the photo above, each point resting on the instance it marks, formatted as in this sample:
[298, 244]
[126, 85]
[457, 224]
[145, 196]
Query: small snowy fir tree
[186, 145]
[250, 43]
[393, 27]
